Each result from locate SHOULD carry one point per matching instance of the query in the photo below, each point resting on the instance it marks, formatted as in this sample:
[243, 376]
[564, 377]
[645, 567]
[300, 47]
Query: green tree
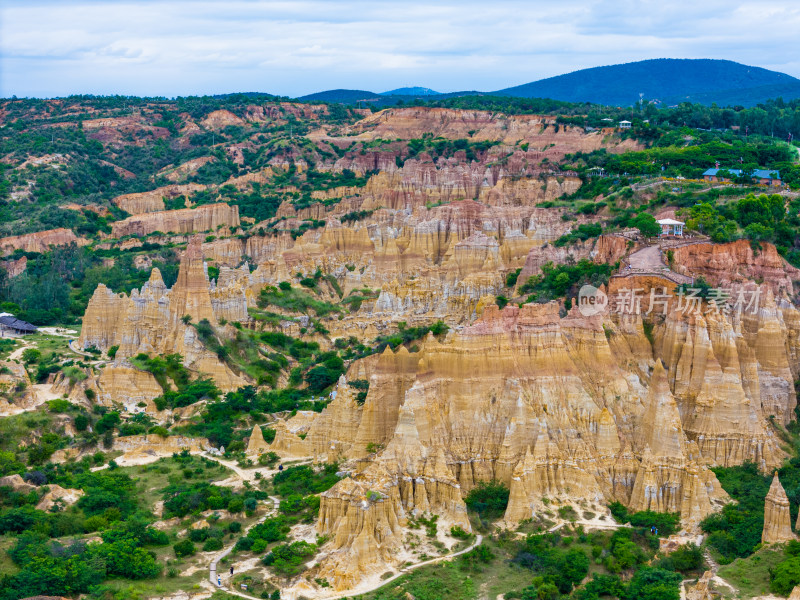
[184, 548]
[650, 583]
[785, 576]
[31, 355]
[489, 499]
[646, 224]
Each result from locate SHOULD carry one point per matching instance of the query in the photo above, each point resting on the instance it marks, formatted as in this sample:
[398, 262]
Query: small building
[761, 176]
[624, 124]
[671, 227]
[713, 176]
[10, 325]
[766, 177]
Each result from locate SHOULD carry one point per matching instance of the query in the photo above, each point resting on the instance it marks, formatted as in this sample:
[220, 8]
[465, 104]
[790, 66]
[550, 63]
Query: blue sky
[181, 47]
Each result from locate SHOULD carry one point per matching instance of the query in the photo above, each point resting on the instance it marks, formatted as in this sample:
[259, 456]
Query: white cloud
[172, 47]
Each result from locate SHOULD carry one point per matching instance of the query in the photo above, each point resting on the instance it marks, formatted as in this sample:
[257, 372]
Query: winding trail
[249, 476]
[379, 584]
[212, 569]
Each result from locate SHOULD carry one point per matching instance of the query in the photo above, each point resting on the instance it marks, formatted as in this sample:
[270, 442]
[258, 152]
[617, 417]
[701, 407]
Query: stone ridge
[185, 220]
[39, 241]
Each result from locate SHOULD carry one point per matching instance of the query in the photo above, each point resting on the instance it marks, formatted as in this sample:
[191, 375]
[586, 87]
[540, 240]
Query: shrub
[234, 527]
[785, 576]
[31, 355]
[288, 559]
[212, 544]
[488, 499]
[198, 535]
[684, 559]
[184, 548]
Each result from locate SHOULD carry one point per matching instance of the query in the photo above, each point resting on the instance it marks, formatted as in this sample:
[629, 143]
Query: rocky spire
[777, 523]
[256, 445]
[660, 426]
[607, 438]
[190, 295]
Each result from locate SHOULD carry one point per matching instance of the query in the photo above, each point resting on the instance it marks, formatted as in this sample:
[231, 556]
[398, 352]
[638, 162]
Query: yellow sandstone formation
[185, 220]
[151, 321]
[777, 523]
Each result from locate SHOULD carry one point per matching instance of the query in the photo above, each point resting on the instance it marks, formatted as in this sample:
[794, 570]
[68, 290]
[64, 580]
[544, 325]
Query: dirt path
[212, 569]
[249, 475]
[648, 259]
[17, 354]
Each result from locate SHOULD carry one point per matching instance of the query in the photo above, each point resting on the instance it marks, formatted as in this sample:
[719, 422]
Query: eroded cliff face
[737, 262]
[39, 241]
[153, 201]
[150, 320]
[410, 123]
[561, 410]
[185, 220]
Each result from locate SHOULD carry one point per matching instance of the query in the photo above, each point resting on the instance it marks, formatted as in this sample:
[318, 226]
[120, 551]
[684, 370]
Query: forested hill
[667, 79]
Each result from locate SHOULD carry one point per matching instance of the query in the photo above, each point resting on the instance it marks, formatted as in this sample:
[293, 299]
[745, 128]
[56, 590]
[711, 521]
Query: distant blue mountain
[343, 96]
[670, 80]
[411, 91]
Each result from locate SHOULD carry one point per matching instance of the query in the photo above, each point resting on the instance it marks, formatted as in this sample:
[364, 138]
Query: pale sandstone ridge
[39, 241]
[777, 522]
[409, 123]
[286, 443]
[153, 201]
[185, 220]
[702, 589]
[138, 449]
[523, 396]
[150, 320]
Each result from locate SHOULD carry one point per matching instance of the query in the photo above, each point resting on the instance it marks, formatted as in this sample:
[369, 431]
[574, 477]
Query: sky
[180, 47]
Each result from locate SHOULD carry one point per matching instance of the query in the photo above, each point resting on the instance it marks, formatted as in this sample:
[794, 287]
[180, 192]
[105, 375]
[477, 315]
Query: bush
[654, 584]
[489, 499]
[31, 355]
[184, 548]
[234, 527]
[289, 559]
[785, 576]
[198, 535]
[212, 544]
[684, 559]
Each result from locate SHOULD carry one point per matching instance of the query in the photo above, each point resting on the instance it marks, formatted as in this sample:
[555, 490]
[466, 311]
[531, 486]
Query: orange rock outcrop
[735, 262]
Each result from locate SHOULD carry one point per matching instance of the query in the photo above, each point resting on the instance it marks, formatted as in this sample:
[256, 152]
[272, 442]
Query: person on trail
[219, 581]
[280, 467]
[231, 570]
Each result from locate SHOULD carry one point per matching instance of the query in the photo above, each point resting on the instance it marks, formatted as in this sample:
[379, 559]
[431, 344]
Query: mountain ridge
[666, 80]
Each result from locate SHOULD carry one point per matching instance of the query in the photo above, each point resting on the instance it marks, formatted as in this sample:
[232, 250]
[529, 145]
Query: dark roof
[15, 323]
[758, 173]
